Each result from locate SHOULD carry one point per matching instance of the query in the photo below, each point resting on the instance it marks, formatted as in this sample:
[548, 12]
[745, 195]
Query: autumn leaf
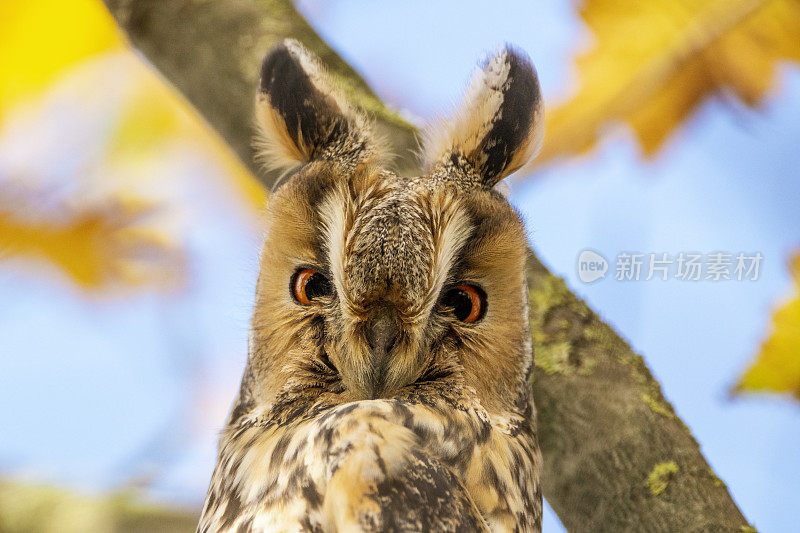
[652, 63]
[98, 248]
[155, 116]
[107, 208]
[777, 366]
[66, 200]
[93, 195]
[40, 39]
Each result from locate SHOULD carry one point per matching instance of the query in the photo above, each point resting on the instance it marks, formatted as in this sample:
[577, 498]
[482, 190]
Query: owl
[387, 385]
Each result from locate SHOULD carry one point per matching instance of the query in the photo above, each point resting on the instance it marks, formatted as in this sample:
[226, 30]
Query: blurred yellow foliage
[39, 39]
[777, 366]
[97, 248]
[101, 237]
[653, 62]
[156, 113]
[39, 509]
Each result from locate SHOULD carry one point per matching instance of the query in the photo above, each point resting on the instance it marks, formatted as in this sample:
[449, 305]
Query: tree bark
[616, 456]
[211, 50]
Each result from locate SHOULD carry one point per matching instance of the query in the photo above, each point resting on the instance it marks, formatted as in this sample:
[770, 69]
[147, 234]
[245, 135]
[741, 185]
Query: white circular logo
[591, 266]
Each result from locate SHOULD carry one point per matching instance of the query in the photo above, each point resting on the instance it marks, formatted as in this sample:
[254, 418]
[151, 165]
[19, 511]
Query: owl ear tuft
[300, 114]
[497, 129]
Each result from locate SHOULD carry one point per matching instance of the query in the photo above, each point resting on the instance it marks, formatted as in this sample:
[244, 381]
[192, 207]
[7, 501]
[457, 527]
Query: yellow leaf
[99, 247]
[777, 366]
[85, 208]
[156, 114]
[63, 51]
[653, 62]
[39, 39]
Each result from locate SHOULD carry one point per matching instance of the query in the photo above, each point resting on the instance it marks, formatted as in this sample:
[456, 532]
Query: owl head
[373, 285]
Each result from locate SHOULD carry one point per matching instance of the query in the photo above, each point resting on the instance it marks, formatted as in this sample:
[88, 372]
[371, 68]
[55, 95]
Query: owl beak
[381, 335]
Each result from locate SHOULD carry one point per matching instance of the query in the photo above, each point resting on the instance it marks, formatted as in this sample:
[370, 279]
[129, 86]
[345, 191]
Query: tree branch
[211, 50]
[617, 457]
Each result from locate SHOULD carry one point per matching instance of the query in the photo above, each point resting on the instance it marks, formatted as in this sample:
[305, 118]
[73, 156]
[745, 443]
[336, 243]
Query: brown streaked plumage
[392, 392]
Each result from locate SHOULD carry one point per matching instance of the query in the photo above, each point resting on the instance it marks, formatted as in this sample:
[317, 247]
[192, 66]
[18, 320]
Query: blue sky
[727, 181]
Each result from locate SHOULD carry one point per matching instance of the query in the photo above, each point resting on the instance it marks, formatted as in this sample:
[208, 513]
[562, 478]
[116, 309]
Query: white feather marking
[275, 149]
[473, 119]
[335, 214]
[451, 230]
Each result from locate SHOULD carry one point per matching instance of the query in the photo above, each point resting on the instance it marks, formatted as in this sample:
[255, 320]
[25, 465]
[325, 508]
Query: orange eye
[308, 284]
[467, 301]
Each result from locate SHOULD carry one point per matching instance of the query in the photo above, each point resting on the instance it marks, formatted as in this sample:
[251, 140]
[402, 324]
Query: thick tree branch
[617, 457]
[211, 51]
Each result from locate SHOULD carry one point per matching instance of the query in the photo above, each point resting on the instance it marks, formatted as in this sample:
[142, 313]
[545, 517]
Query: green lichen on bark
[660, 477]
[717, 481]
[599, 429]
[553, 319]
[657, 406]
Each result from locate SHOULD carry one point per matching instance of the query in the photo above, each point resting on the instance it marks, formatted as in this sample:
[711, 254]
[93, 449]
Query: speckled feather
[435, 430]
